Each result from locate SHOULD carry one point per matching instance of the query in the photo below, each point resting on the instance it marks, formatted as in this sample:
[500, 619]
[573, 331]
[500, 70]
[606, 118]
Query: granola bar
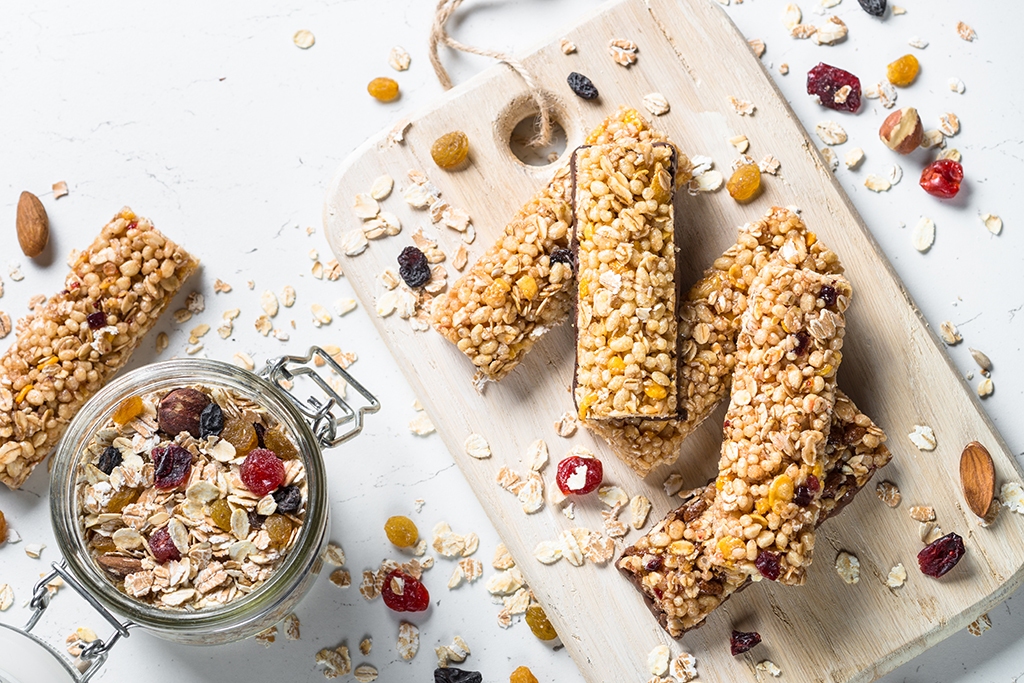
[521, 287]
[679, 583]
[69, 347]
[624, 244]
[773, 455]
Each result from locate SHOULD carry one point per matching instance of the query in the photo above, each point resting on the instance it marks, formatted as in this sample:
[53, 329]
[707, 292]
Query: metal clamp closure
[328, 426]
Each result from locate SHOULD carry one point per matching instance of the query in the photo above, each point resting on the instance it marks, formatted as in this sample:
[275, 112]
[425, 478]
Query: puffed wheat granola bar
[68, 348]
[627, 281]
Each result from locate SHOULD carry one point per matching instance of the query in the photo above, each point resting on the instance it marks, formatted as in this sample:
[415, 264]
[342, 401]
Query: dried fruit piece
[127, 410]
[279, 529]
[123, 498]
[827, 81]
[450, 150]
[903, 71]
[745, 183]
[413, 267]
[262, 471]
[171, 465]
[288, 498]
[539, 624]
[163, 547]
[978, 478]
[938, 557]
[96, 320]
[522, 675]
[875, 8]
[3, 528]
[240, 434]
[180, 410]
[742, 641]
[383, 89]
[211, 421]
[942, 178]
[276, 440]
[768, 564]
[582, 86]
[403, 593]
[109, 459]
[902, 131]
[401, 531]
[452, 675]
[220, 513]
[578, 475]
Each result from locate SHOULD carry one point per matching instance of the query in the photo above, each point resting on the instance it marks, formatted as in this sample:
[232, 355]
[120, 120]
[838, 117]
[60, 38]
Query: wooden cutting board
[894, 368]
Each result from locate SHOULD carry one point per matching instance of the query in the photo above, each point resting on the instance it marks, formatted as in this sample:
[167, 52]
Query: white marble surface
[206, 118]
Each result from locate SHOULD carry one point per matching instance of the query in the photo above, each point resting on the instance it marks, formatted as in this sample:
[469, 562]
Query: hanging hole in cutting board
[537, 156]
[518, 123]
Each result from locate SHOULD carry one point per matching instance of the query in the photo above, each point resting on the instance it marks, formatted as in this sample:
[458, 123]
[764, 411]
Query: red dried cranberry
[828, 295]
[768, 564]
[579, 475]
[96, 320]
[654, 564]
[413, 596]
[163, 547]
[825, 81]
[413, 267]
[803, 342]
[805, 492]
[262, 471]
[939, 556]
[942, 178]
[741, 641]
[171, 465]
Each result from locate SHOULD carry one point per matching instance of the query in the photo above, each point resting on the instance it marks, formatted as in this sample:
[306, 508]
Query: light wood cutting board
[894, 367]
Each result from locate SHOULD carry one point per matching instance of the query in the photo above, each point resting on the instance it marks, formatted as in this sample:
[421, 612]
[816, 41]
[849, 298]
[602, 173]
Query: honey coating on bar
[522, 286]
[624, 244]
[680, 584]
[70, 346]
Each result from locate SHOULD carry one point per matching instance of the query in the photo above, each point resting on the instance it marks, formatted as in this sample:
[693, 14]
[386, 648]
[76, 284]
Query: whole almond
[33, 225]
[978, 478]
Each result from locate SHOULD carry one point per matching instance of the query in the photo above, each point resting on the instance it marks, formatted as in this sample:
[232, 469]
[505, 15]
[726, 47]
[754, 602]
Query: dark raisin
[710, 587]
[833, 482]
[768, 564]
[163, 547]
[171, 465]
[654, 564]
[256, 519]
[453, 675]
[805, 492]
[96, 320]
[109, 459]
[261, 433]
[741, 641]
[582, 86]
[938, 557]
[803, 342]
[562, 256]
[828, 295]
[413, 267]
[875, 8]
[694, 509]
[211, 421]
[825, 81]
[853, 434]
[288, 498]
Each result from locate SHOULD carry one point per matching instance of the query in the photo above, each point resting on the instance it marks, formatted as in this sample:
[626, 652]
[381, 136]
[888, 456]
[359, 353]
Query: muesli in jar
[190, 498]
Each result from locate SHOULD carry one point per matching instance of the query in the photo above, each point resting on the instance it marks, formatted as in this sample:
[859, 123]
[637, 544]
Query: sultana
[128, 410]
[240, 434]
[539, 623]
[745, 183]
[383, 89]
[401, 531]
[280, 444]
[279, 529]
[522, 675]
[220, 513]
[450, 150]
[903, 71]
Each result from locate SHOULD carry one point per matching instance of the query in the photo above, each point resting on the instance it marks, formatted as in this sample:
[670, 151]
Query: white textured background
[207, 119]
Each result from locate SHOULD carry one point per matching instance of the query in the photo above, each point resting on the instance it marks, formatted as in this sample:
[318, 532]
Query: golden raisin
[102, 544]
[239, 434]
[450, 150]
[745, 183]
[122, 499]
[903, 71]
[128, 410]
[656, 391]
[220, 512]
[279, 529]
[3, 528]
[279, 442]
[401, 531]
[522, 675]
[383, 89]
[539, 624]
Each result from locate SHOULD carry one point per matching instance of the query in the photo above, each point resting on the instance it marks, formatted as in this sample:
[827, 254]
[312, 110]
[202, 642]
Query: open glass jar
[311, 423]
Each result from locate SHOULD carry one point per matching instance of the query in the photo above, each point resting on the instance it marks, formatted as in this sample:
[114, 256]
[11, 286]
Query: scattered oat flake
[993, 223]
[877, 183]
[848, 567]
[979, 625]
[768, 667]
[791, 16]
[831, 160]
[830, 132]
[268, 302]
[656, 103]
[399, 59]
[923, 437]
[304, 39]
[854, 158]
[34, 550]
[6, 597]
[321, 316]
[897, 576]
[684, 667]
[408, 640]
[897, 10]
[888, 493]
[14, 271]
[60, 189]
[567, 46]
[933, 138]
[334, 555]
[291, 627]
[354, 242]
[476, 447]
[922, 513]
[949, 124]
[1012, 496]
[831, 32]
[243, 360]
[639, 508]
[740, 142]
[421, 424]
[623, 51]
[221, 287]
[769, 164]
[957, 86]
[923, 236]
[986, 387]
[657, 660]
[709, 181]
[918, 43]
[343, 306]
[757, 45]
[742, 107]
[548, 552]
[965, 31]
[612, 496]
[382, 186]
[983, 361]
[502, 558]
[949, 333]
[365, 673]
[783, 69]
[267, 636]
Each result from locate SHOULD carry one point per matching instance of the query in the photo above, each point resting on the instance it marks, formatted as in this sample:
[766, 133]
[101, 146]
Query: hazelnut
[180, 411]
[902, 131]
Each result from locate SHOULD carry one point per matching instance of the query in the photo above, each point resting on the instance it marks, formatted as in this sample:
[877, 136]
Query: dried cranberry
[828, 295]
[452, 675]
[163, 547]
[413, 267]
[96, 320]
[875, 8]
[262, 471]
[939, 556]
[171, 465]
[825, 81]
[211, 421]
[579, 475]
[654, 564]
[942, 178]
[803, 342]
[562, 256]
[741, 641]
[288, 498]
[109, 459]
[805, 492]
[582, 86]
[413, 596]
[768, 564]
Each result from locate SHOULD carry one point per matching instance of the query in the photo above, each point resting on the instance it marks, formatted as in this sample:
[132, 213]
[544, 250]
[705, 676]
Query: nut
[978, 478]
[902, 131]
[33, 225]
[180, 410]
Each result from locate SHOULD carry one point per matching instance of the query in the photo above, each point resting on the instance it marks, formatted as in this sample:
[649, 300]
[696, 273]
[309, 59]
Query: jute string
[439, 34]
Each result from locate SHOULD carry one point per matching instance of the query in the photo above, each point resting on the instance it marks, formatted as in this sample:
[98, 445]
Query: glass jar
[312, 423]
